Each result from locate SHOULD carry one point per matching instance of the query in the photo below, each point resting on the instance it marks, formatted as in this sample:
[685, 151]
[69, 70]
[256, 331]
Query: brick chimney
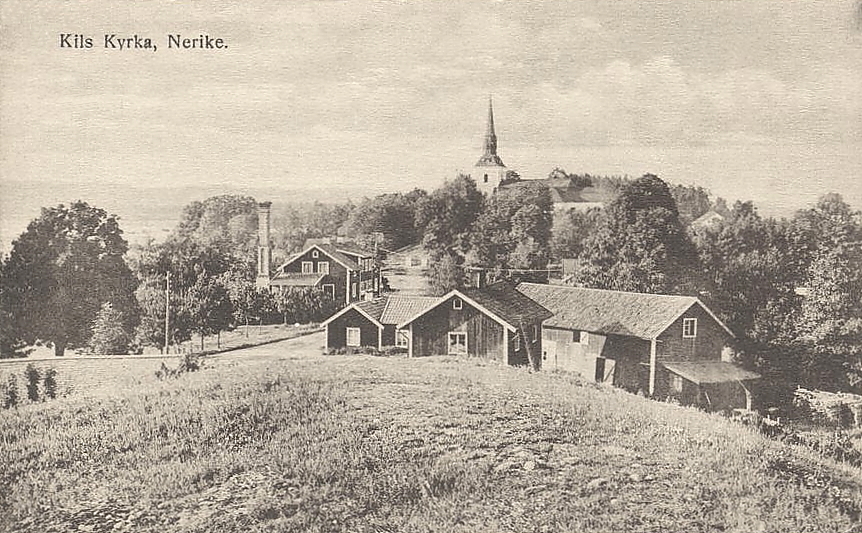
[264, 251]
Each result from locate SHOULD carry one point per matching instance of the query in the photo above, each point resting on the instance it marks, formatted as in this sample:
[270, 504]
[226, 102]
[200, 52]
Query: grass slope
[374, 444]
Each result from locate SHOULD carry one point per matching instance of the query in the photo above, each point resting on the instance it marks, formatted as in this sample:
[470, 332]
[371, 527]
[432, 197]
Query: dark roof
[705, 372]
[506, 302]
[399, 308]
[611, 312]
[329, 250]
[350, 248]
[294, 279]
[373, 308]
[490, 160]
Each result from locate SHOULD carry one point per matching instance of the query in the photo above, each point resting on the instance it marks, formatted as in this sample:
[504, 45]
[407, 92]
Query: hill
[294, 441]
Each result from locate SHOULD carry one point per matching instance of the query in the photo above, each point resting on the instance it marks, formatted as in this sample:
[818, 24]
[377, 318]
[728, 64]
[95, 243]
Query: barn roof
[371, 309]
[505, 301]
[632, 314]
[500, 301]
[399, 308]
[705, 372]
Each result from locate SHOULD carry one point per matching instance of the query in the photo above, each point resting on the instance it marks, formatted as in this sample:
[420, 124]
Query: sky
[757, 100]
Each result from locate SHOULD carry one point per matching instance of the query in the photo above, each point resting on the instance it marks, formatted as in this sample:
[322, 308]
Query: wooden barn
[495, 322]
[662, 345]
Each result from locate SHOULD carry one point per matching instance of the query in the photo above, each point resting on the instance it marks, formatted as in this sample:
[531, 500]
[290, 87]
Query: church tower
[489, 170]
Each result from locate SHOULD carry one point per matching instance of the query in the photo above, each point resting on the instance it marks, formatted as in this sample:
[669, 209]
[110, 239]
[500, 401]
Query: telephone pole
[167, 311]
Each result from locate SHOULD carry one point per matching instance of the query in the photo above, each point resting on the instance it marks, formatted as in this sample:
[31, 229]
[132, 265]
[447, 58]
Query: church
[491, 175]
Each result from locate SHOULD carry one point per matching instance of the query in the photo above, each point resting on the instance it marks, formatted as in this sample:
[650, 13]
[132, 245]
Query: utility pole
[167, 311]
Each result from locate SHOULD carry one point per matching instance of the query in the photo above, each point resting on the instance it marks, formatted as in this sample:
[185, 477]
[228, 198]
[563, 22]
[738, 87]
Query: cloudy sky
[752, 99]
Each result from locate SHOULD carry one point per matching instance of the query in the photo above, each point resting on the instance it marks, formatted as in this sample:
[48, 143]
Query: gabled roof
[371, 309]
[353, 249]
[500, 301]
[330, 251]
[705, 372]
[632, 314]
[293, 279]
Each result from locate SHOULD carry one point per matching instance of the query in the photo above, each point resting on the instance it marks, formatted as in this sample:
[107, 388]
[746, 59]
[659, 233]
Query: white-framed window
[457, 304]
[315, 254]
[402, 338]
[355, 290]
[323, 267]
[689, 328]
[457, 343]
[307, 267]
[584, 338]
[354, 337]
[535, 333]
[517, 341]
[675, 383]
[329, 288]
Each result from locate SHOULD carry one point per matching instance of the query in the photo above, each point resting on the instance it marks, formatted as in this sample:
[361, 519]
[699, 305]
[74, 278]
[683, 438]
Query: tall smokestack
[264, 251]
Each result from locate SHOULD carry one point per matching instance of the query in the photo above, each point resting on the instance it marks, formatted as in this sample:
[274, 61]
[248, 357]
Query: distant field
[279, 438]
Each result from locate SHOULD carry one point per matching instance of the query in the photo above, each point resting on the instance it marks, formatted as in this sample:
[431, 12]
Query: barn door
[605, 370]
[549, 353]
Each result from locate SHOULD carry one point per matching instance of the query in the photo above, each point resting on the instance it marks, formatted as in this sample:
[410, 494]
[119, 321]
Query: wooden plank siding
[484, 335]
[337, 271]
[708, 344]
[336, 331]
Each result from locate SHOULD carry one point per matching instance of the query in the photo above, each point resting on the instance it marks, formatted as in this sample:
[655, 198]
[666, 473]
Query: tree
[303, 305]
[209, 307]
[392, 215]
[447, 216]
[11, 344]
[830, 322]
[109, 335]
[445, 274]
[61, 270]
[151, 300]
[692, 202]
[514, 229]
[640, 244]
[569, 231]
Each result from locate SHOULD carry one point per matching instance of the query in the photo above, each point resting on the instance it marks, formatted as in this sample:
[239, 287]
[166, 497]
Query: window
[535, 333]
[584, 338]
[315, 254]
[486, 178]
[402, 338]
[457, 303]
[355, 290]
[354, 336]
[517, 340]
[307, 267]
[689, 328]
[457, 343]
[675, 383]
[329, 288]
[323, 267]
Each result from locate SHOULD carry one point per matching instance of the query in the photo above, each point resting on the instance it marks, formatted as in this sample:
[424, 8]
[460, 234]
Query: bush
[10, 392]
[31, 373]
[189, 362]
[49, 383]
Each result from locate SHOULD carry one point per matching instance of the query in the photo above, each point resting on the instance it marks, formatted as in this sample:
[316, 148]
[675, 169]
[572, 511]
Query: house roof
[353, 249]
[705, 372]
[500, 301]
[329, 250]
[293, 279]
[632, 314]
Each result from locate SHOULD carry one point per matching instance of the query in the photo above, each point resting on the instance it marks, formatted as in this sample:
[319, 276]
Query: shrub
[109, 334]
[189, 362]
[49, 383]
[10, 393]
[32, 374]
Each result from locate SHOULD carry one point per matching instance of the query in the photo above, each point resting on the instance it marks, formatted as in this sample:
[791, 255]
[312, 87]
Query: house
[373, 322]
[343, 271]
[662, 345]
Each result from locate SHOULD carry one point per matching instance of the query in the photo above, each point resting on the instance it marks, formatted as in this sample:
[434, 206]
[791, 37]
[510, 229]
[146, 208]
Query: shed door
[605, 370]
[549, 353]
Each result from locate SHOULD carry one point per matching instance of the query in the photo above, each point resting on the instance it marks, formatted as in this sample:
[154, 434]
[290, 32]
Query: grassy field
[356, 443]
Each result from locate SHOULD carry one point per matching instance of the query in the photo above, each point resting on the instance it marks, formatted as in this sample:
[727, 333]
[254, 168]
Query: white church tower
[489, 170]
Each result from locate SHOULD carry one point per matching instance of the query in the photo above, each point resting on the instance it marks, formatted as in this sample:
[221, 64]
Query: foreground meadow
[356, 443]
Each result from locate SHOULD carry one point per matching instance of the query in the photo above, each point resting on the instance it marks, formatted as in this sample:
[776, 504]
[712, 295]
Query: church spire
[490, 157]
[490, 136]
